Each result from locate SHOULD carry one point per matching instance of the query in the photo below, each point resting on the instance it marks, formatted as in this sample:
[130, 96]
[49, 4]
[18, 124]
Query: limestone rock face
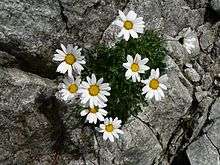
[36, 128]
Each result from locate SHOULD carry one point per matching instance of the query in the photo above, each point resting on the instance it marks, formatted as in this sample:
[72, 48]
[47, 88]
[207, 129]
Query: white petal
[93, 79]
[126, 35]
[122, 15]
[133, 78]
[103, 98]
[70, 71]
[61, 53]
[163, 86]
[111, 138]
[119, 131]
[118, 23]
[127, 65]
[103, 112]
[149, 95]
[138, 77]
[131, 15]
[133, 34]
[115, 134]
[130, 59]
[157, 73]
[137, 58]
[160, 91]
[144, 67]
[102, 126]
[58, 57]
[157, 96]
[138, 29]
[128, 74]
[100, 81]
[69, 48]
[84, 112]
[63, 48]
[99, 116]
[163, 78]
[105, 136]
[62, 68]
[144, 61]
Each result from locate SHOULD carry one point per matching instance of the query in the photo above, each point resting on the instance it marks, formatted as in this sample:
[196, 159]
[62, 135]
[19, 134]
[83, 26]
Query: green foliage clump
[126, 97]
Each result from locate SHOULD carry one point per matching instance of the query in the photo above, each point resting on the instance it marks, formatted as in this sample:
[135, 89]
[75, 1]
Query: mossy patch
[126, 97]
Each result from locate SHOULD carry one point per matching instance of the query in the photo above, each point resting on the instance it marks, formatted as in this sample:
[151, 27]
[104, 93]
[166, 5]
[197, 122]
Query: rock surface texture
[35, 128]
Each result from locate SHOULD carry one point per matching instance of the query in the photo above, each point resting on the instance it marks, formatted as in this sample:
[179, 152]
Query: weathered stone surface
[169, 17]
[206, 149]
[192, 74]
[38, 129]
[35, 29]
[25, 132]
[202, 152]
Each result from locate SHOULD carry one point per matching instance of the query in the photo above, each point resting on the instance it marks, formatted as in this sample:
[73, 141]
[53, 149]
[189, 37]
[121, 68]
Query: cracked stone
[201, 95]
[208, 36]
[192, 75]
[170, 17]
[207, 81]
[36, 29]
[206, 149]
[21, 123]
[202, 152]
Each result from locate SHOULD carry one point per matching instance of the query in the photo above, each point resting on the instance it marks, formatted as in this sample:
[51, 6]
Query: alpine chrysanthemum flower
[130, 25]
[154, 85]
[135, 67]
[94, 113]
[110, 129]
[69, 88]
[93, 92]
[71, 59]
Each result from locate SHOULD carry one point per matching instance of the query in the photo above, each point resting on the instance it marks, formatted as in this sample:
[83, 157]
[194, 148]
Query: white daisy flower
[94, 113]
[135, 67]
[93, 92]
[130, 25]
[71, 59]
[154, 85]
[69, 88]
[110, 129]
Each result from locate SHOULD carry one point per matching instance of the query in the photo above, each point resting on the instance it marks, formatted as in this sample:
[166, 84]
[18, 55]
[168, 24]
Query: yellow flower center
[94, 90]
[109, 128]
[70, 58]
[154, 84]
[128, 25]
[135, 67]
[93, 110]
[73, 88]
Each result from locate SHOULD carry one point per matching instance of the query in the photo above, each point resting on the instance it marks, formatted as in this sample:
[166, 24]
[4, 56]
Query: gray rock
[202, 152]
[192, 75]
[206, 149]
[216, 5]
[201, 95]
[25, 133]
[35, 29]
[207, 81]
[161, 16]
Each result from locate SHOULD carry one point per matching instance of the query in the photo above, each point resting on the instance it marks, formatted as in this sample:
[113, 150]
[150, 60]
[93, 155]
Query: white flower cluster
[130, 26]
[93, 93]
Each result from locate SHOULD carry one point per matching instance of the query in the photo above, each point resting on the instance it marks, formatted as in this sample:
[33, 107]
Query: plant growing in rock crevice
[109, 93]
[126, 97]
